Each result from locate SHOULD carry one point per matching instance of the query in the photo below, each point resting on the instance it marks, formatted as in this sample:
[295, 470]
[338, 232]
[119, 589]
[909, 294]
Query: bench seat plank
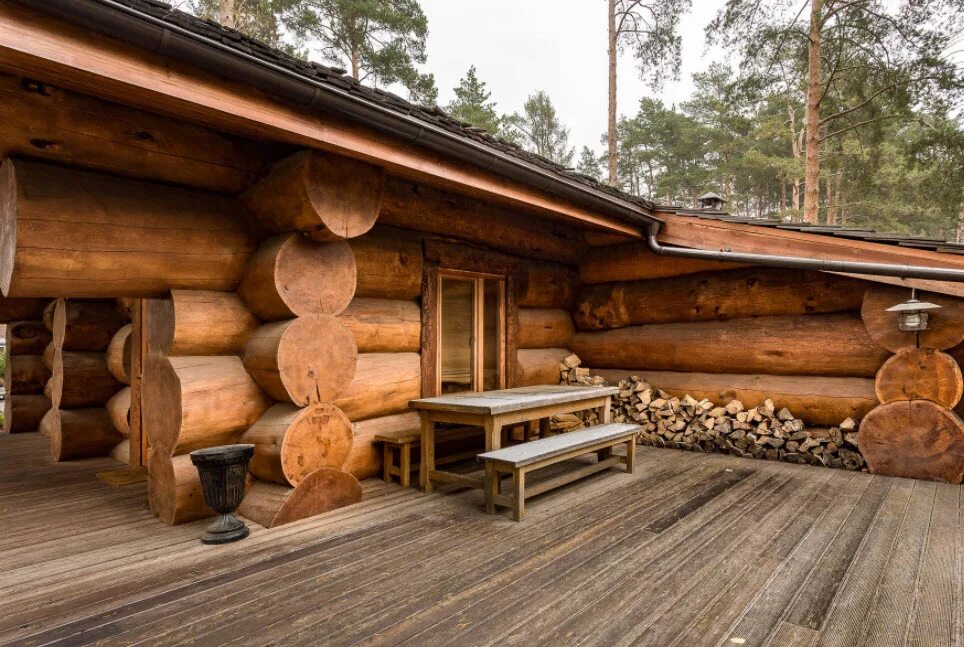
[538, 450]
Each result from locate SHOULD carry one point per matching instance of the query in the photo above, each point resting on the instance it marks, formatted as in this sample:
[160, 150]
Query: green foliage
[378, 41]
[589, 164]
[266, 20]
[539, 130]
[651, 31]
[472, 104]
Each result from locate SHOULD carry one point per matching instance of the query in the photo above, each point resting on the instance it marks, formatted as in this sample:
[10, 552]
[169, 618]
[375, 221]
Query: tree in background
[379, 41]
[649, 28]
[865, 61]
[266, 20]
[472, 104]
[589, 164]
[539, 130]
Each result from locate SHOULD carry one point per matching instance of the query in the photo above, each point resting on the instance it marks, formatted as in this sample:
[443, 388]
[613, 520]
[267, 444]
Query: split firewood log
[325, 489]
[291, 442]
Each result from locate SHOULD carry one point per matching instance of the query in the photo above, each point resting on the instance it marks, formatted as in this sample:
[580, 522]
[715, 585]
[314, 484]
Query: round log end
[321, 491]
[119, 355]
[945, 327]
[914, 439]
[920, 374]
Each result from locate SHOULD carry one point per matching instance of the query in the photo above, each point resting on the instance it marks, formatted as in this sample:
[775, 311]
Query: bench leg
[387, 459]
[405, 464]
[545, 427]
[631, 456]
[518, 494]
[492, 481]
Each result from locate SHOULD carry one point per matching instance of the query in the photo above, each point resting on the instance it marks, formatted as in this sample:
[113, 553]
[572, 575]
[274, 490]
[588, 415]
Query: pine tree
[589, 164]
[472, 104]
[540, 131]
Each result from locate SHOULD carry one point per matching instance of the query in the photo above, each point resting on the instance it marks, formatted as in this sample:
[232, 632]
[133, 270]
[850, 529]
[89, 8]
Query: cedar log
[19, 309]
[83, 324]
[119, 410]
[50, 422]
[122, 451]
[83, 433]
[637, 262]
[325, 489]
[80, 380]
[119, 355]
[547, 285]
[384, 325]
[26, 374]
[384, 384]
[308, 359]
[822, 401]
[327, 197]
[23, 413]
[540, 328]
[707, 296]
[290, 442]
[79, 234]
[198, 322]
[290, 276]
[195, 402]
[422, 208]
[945, 326]
[39, 120]
[539, 366]
[914, 439]
[27, 337]
[174, 489]
[365, 458]
[389, 266]
[920, 374]
[830, 345]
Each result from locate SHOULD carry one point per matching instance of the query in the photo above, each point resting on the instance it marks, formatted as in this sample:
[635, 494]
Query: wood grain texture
[290, 276]
[544, 328]
[920, 374]
[83, 433]
[945, 327]
[327, 197]
[828, 345]
[384, 383]
[119, 410]
[198, 322]
[22, 309]
[325, 489]
[291, 442]
[80, 379]
[384, 325]
[389, 266]
[119, 355]
[539, 366]
[174, 489]
[718, 295]
[86, 324]
[365, 458]
[637, 262]
[81, 234]
[915, 439]
[23, 413]
[303, 360]
[27, 337]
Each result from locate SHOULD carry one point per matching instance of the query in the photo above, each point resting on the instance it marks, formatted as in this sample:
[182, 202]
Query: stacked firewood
[701, 425]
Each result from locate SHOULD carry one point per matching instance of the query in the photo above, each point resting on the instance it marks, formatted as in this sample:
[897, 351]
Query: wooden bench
[518, 460]
[404, 441]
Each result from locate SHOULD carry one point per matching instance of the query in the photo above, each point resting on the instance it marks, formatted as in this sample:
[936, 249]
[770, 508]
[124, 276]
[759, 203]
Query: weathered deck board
[691, 550]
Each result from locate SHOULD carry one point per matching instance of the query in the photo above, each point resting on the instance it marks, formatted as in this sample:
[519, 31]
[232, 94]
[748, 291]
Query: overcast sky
[520, 46]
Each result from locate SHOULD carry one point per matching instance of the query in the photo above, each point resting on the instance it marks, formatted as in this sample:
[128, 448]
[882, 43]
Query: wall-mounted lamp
[912, 314]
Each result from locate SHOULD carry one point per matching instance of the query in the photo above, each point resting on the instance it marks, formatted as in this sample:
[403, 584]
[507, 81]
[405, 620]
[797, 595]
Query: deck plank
[692, 549]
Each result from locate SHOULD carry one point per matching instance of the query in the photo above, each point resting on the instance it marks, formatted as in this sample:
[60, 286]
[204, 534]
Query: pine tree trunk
[960, 225]
[783, 193]
[226, 13]
[811, 196]
[612, 92]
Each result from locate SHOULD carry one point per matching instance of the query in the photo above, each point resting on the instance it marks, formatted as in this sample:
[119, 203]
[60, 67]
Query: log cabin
[205, 241]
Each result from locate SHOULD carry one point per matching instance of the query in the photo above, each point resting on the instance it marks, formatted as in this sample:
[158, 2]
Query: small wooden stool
[403, 441]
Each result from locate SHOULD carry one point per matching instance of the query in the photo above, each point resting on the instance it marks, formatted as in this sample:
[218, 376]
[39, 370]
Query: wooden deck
[692, 550]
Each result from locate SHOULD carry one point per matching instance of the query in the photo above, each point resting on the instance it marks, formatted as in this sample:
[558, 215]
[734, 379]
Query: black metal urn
[223, 473]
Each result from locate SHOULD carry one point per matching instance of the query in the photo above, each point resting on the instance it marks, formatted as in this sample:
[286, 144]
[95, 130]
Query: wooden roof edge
[38, 45]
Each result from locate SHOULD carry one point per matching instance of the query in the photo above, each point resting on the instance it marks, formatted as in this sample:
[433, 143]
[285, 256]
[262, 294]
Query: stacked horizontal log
[915, 432]
[81, 383]
[71, 233]
[26, 374]
[196, 392]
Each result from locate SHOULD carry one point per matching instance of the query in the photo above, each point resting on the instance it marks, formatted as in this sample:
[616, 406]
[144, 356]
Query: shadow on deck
[691, 550]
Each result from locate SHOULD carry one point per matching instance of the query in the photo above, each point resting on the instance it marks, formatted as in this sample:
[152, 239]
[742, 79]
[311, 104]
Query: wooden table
[493, 410]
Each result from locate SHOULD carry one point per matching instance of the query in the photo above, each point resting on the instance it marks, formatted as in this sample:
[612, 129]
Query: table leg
[493, 434]
[631, 455]
[606, 412]
[545, 427]
[427, 465]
